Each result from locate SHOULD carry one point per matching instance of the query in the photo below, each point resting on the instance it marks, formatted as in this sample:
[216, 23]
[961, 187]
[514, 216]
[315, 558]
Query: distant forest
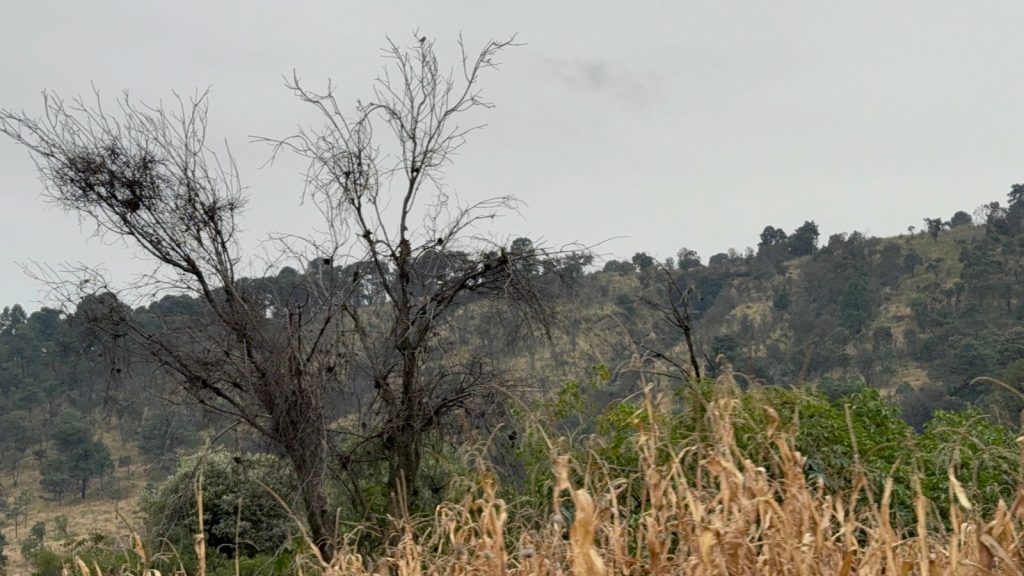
[917, 316]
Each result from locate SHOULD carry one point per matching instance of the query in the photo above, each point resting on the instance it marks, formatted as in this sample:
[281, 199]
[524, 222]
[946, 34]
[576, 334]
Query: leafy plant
[236, 508]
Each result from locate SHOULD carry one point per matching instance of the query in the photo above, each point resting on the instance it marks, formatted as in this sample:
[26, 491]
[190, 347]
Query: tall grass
[697, 510]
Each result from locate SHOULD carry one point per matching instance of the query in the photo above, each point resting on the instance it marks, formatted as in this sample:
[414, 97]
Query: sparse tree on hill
[934, 227]
[1016, 194]
[16, 437]
[643, 262]
[960, 218]
[911, 261]
[17, 511]
[804, 240]
[77, 459]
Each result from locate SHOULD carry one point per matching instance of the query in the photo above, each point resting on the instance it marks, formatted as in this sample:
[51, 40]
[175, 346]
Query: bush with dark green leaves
[981, 454]
[236, 508]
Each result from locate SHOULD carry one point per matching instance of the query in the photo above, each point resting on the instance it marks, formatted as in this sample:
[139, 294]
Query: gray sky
[667, 124]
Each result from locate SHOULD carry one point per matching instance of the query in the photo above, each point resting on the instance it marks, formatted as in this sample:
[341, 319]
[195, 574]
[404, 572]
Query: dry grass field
[727, 516]
[98, 513]
[699, 510]
[702, 509]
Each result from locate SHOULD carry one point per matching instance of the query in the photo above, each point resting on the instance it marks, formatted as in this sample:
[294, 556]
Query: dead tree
[378, 171]
[673, 303]
[146, 175]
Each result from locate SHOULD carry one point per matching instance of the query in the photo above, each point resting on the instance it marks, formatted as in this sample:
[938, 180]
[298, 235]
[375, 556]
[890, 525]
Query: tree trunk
[405, 458]
[310, 474]
[299, 426]
[404, 469]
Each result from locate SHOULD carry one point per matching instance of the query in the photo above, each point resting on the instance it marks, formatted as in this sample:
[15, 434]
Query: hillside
[917, 316]
[87, 422]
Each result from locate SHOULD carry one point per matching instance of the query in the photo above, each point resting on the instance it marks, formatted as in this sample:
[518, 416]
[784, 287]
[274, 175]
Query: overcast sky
[659, 124]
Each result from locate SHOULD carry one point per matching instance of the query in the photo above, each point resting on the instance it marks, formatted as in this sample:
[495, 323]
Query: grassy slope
[895, 309]
[96, 513]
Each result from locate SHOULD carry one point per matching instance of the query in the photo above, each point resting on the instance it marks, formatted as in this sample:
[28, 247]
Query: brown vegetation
[698, 510]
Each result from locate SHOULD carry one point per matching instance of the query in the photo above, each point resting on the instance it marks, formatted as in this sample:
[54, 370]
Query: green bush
[46, 562]
[259, 565]
[857, 433]
[102, 552]
[982, 455]
[235, 506]
[34, 541]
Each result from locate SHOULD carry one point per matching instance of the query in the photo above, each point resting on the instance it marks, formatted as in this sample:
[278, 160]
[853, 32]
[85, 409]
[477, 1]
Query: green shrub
[982, 455]
[34, 541]
[102, 552]
[235, 507]
[857, 433]
[46, 562]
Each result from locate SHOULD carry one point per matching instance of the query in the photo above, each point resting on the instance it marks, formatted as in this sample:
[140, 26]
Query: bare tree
[270, 354]
[146, 175]
[672, 301]
[424, 254]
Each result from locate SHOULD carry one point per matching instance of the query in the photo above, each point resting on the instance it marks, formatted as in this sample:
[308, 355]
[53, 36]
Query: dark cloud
[584, 74]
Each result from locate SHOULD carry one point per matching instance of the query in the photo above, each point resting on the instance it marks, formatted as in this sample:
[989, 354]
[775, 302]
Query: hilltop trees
[269, 355]
[46, 364]
[643, 262]
[1016, 194]
[687, 259]
[772, 236]
[804, 240]
[1015, 211]
[960, 218]
[934, 227]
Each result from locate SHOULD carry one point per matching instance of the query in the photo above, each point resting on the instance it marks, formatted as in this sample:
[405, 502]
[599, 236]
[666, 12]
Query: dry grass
[727, 516]
[95, 514]
[911, 373]
[701, 510]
